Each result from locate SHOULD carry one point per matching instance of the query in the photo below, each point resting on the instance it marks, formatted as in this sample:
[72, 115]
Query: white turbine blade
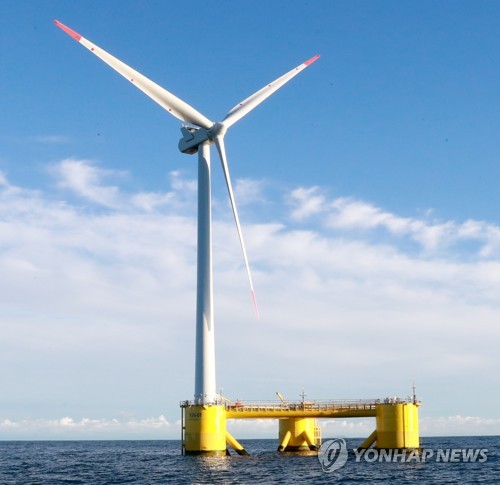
[241, 109]
[164, 98]
[219, 143]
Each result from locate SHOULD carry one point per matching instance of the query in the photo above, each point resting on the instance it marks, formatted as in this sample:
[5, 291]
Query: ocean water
[160, 462]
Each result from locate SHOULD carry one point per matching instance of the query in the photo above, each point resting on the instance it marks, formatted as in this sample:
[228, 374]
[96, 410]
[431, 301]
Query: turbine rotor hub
[217, 129]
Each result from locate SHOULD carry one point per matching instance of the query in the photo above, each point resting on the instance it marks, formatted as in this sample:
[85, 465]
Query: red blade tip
[256, 308]
[311, 60]
[70, 32]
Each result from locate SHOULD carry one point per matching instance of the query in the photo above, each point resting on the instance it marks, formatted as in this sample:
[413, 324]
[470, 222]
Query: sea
[161, 462]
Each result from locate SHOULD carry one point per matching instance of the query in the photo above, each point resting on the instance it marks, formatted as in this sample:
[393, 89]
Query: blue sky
[368, 195]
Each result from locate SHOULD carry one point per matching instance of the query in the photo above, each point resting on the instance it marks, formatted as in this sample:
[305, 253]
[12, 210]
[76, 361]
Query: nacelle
[192, 138]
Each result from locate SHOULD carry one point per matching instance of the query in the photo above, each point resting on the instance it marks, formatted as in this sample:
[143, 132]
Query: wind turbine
[197, 139]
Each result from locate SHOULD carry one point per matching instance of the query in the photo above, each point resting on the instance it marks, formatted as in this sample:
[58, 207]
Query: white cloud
[51, 139]
[459, 426]
[44, 139]
[348, 214]
[181, 185]
[181, 195]
[149, 201]
[86, 180]
[83, 428]
[428, 426]
[306, 202]
[98, 306]
[159, 427]
[3, 179]
[249, 191]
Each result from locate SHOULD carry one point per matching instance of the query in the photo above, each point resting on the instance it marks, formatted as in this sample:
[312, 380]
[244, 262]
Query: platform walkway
[303, 409]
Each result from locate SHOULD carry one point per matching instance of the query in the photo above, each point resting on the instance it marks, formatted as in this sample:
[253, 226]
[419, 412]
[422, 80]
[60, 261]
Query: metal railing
[317, 405]
[313, 405]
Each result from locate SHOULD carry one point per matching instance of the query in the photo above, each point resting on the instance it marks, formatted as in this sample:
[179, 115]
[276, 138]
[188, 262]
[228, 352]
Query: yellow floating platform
[204, 427]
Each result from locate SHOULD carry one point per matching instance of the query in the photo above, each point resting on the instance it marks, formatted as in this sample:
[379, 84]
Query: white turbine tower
[198, 138]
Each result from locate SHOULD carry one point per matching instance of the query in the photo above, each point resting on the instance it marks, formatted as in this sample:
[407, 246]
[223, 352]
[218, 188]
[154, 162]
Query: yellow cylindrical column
[284, 441]
[297, 435]
[369, 441]
[205, 430]
[231, 440]
[397, 426]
